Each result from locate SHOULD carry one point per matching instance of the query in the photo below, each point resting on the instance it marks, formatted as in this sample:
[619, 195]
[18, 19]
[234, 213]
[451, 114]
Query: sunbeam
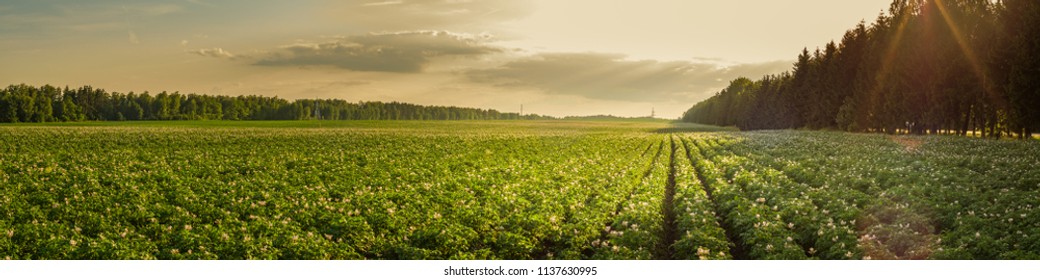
[964, 45]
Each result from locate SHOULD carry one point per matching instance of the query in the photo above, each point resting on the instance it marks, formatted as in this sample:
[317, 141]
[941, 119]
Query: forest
[925, 67]
[24, 103]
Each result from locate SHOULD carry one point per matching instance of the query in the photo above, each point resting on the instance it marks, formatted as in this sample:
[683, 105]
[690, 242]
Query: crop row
[776, 216]
[701, 236]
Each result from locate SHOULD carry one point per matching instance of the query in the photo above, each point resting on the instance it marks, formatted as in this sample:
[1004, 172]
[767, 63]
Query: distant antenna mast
[653, 112]
[521, 110]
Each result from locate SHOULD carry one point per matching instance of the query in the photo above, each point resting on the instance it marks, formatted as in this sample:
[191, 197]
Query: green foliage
[917, 197]
[407, 191]
[23, 103]
[953, 67]
[508, 190]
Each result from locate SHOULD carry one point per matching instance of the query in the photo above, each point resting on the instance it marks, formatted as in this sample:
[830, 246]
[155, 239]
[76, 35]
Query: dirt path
[910, 144]
[669, 234]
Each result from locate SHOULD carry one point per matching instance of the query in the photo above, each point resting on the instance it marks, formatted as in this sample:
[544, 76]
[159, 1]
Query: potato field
[509, 190]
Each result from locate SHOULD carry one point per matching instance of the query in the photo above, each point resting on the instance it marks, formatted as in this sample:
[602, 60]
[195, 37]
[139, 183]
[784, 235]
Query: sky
[556, 57]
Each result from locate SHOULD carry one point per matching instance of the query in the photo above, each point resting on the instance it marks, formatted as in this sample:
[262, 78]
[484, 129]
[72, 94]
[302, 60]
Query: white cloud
[613, 77]
[132, 37]
[214, 52]
[384, 3]
[426, 14]
[402, 52]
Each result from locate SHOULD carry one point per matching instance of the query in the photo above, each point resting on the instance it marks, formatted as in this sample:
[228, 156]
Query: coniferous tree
[925, 66]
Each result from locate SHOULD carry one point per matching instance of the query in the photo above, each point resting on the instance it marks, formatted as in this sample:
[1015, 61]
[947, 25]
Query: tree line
[24, 103]
[926, 66]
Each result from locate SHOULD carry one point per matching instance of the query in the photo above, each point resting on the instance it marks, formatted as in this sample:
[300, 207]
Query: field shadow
[685, 127]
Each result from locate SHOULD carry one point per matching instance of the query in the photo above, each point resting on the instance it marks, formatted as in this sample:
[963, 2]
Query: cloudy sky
[556, 57]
